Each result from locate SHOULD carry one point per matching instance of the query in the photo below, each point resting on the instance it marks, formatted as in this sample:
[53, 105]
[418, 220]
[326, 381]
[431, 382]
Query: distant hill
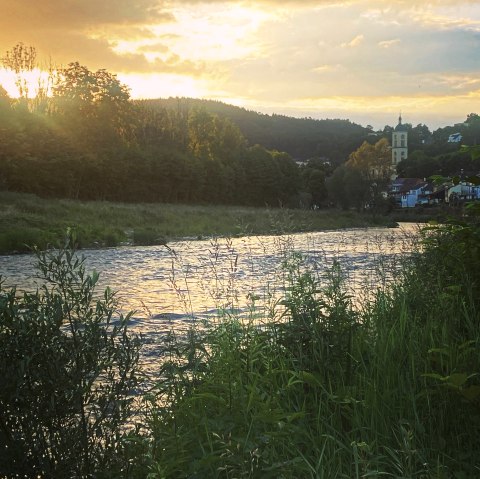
[302, 138]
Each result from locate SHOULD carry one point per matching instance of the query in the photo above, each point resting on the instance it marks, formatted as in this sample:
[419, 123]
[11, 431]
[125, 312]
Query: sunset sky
[364, 60]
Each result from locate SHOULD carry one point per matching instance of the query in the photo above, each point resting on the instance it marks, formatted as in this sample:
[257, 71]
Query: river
[196, 281]
[192, 280]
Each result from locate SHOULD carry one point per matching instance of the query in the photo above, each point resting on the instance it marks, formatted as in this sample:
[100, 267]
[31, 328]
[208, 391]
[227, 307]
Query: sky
[363, 60]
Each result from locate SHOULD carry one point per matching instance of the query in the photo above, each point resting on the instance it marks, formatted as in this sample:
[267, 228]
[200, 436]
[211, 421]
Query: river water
[194, 280]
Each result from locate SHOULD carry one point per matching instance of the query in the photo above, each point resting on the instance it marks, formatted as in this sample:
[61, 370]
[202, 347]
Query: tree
[314, 176]
[201, 132]
[471, 135]
[95, 105]
[418, 165]
[373, 162]
[418, 137]
[21, 60]
[68, 371]
[337, 188]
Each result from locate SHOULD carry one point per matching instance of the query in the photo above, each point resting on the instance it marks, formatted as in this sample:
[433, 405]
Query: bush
[68, 369]
[21, 239]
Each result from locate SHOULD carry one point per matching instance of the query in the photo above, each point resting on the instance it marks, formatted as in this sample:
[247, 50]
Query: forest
[83, 138]
[301, 138]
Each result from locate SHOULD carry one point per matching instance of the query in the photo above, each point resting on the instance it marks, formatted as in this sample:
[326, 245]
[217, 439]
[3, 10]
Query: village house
[418, 195]
[463, 191]
[412, 192]
[400, 187]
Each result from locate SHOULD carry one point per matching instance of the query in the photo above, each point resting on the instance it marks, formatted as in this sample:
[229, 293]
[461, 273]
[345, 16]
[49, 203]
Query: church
[399, 144]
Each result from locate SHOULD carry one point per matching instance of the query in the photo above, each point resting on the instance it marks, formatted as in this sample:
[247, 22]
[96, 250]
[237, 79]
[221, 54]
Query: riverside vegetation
[26, 220]
[317, 389]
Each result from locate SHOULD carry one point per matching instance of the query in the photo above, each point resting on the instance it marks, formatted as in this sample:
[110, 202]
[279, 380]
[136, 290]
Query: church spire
[400, 118]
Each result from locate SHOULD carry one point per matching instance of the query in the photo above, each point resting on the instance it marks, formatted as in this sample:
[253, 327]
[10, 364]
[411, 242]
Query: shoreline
[27, 220]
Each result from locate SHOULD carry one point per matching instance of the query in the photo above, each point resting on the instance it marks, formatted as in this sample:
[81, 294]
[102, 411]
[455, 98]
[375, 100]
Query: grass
[26, 220]
[326, 390]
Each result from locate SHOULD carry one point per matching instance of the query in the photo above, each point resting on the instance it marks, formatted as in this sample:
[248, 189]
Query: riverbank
[323, 389]
[27, 220]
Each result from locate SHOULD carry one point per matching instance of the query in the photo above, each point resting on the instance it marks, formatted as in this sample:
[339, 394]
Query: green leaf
[434, 376]
[457, 380]
[309, 378]
[443, 351]
[471, 393]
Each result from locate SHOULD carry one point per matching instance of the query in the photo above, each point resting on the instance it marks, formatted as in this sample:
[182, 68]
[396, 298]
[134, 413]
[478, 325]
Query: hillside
[302, 138]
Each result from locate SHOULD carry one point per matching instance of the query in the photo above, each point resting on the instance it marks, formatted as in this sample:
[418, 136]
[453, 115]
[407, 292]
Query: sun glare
[32, 81]
[212, 33]
[206, 33]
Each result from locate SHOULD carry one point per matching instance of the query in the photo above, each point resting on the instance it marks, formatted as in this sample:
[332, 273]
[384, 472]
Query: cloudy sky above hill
[365, 60]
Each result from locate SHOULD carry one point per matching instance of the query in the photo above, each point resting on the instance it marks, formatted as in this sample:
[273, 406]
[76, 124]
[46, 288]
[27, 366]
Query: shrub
[68, 368]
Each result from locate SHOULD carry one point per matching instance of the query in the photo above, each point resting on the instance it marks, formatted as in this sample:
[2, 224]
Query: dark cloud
[421, 45]
[78, 14]
[81, 30]
[97, 54]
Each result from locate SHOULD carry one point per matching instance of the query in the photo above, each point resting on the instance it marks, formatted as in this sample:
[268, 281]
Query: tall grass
[326, 390]
[321, 388]
[26, 220]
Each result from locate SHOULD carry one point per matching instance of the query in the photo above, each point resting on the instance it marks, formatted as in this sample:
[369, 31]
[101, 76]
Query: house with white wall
[464, 191]
[418, 195]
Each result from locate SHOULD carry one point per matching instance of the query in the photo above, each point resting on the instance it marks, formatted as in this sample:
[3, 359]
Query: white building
[399, 143]
[462, 192]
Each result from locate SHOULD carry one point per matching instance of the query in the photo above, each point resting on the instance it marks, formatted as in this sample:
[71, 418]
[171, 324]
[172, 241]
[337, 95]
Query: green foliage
[68, 366]
[420, 164]
[89, 141]
[147, 236]
[473, 150]
[454, 249]
[389, 388]
[372, 162]
[301, 138]
[27, 220]
[359, 182]
[21, 240]
[314, 176]
[321, 386]
[228, 404]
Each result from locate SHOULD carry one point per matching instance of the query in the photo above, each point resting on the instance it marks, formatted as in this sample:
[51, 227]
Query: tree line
[81, 136]
[301, 138]
[86, 139]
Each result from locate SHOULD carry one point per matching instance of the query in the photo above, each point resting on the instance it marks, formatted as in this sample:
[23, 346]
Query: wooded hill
[302, 138]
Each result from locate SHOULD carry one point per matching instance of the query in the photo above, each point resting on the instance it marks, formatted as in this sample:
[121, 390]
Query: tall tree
[95, 105]
[373, 162]
[21, 60]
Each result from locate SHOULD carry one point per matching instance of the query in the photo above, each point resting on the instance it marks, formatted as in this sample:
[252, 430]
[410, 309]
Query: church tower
[399, 143]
